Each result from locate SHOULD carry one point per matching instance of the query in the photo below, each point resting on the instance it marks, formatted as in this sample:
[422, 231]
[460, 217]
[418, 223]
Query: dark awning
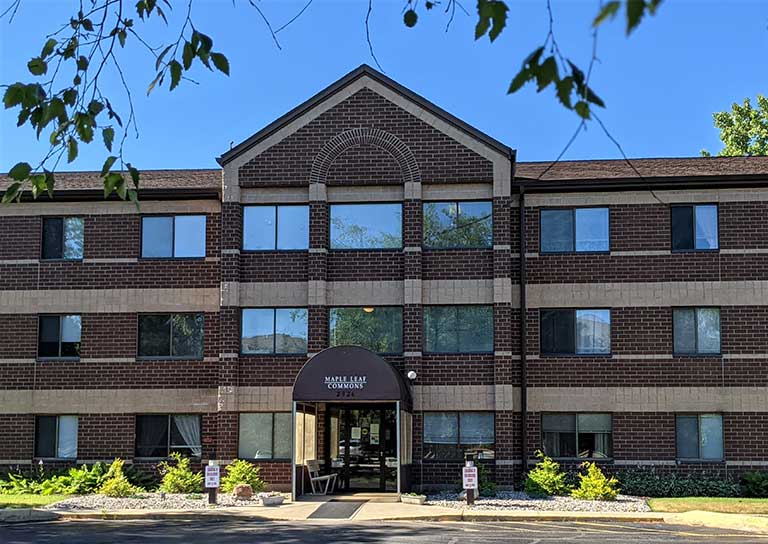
[349, 374]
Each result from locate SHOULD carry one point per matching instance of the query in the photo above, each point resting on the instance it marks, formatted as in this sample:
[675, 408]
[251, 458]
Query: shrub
[487, 488]
[755, 484]
[116, 484]
[241, 472]
[649, 483]
[595, 486]
[546, 478]
[179, 477]
[18, 483]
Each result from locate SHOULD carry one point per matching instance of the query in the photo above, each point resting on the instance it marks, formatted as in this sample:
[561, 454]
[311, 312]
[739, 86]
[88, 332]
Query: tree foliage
[64, 97]
[743, 130]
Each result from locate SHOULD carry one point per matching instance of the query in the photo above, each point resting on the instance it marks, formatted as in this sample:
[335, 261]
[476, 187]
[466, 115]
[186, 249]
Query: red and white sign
[469, 477]
[212, 474]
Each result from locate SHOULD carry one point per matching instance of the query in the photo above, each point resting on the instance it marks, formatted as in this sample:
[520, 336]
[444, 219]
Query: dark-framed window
[457, 224]
[377, 328]
[574, 230]
[699, 436]
[63, 237]
[274, 330]
[56, 437]
[276, 227]
[366, 226]
[173, 236]
[458, 329]
[59, 336]
[696, 331]
[449, 436]
[585, 436]
[265, 435]
[159, 435]
[178, 336]
[694, 227]
[575, 332]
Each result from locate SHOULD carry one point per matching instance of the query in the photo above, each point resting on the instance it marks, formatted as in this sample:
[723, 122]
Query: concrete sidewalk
[395, 511]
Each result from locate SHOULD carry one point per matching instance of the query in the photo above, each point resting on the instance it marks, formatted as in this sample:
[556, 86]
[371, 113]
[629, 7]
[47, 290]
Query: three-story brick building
[372, 283]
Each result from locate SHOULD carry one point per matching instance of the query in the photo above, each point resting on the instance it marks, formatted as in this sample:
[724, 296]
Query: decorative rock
[242, 491]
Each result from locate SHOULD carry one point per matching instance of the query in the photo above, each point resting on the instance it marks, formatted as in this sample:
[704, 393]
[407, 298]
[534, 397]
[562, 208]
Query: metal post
[471, 490]
[293, 452]
[397, 419]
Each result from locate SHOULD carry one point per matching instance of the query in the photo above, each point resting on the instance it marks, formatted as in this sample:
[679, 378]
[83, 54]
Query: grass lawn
[710, 504]
[28, 500]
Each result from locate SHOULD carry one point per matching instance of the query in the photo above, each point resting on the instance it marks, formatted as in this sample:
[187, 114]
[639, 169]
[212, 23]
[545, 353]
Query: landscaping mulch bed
[150, 501]
[517, 500]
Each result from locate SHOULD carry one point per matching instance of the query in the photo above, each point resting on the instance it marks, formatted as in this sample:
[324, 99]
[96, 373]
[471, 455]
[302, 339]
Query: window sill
[457, 352]
[61, 260]
[55, 459]
[696, 355]
[55, 359]
[683, 251]
[601, 252]
[700, 461]
[457, 248]
[159, 459]
[140, 358]
[142, 258]
[297, 354]
[244, 251]
[583, 459]
[575, 355]
[377, 249]
[266, 459]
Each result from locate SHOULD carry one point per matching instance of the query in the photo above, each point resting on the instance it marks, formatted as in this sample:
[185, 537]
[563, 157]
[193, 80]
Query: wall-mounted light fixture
[368, 309]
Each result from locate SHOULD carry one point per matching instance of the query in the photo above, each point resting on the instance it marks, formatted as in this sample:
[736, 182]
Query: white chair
[313, 467]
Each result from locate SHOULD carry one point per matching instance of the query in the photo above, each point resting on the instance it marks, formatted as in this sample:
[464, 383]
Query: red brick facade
[395, 150]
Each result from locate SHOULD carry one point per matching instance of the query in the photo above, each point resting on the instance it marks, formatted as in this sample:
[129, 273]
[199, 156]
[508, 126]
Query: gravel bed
[149, 501]
[517, 500]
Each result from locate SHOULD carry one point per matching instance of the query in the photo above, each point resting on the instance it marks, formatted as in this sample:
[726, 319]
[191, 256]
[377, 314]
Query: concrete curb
[25, 515]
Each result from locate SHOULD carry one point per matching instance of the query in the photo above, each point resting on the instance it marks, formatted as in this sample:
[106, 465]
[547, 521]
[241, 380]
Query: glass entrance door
[363, 447]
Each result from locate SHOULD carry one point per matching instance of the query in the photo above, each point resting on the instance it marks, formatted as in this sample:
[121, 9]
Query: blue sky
[660, 85]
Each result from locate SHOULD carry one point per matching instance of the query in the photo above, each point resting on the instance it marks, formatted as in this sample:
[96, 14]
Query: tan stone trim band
[109, 300]
[658, 253]
[274, 195]
[646, 197]
[107, 401]
[112, 208]
[263, 399]
[458, 291]
[365, 193]
[453, 397]
[456, 191]
[694, 293]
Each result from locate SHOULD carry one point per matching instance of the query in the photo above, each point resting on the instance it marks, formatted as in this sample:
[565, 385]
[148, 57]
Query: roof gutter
[640, 184]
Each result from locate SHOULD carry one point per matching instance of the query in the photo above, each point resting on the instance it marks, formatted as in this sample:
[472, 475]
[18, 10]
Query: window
[575, 230]
[176, 236]
[274, 330]
[59, 336]
[451, 435]
[577, 435]
[458, 225]
[700, 436]
[265, 435]
[575, 332]
[275, 227]
[161, 435]
[694, 227]
[63, 237]
[696, 330]
[56, 437]
[366, 226]
[171, 335]
[378, 329]
[458, 329]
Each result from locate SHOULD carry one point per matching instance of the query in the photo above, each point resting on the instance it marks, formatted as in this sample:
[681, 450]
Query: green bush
[649, 483]
[546, 478]
[595, 486]
[755, 484]
[116, 484]
[487, 488]
[179, 477]
[18, 483]
[241, 472]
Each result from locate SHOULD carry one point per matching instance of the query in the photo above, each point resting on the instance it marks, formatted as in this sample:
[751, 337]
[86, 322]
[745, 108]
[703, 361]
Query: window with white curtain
[160, 435]
[694, 228]
[696, 330]
[56, 437]
[700, 436]
[577, 435]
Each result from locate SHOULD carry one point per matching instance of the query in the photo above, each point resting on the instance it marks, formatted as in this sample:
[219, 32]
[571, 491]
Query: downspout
[523, 333]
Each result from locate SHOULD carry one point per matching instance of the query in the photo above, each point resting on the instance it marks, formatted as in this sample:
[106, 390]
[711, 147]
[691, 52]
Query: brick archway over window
[364, 136]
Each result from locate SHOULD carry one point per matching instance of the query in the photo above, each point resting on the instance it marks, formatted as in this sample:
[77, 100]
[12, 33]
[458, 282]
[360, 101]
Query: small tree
[116, 483]
[743, 130]
[241, 472]
[179, 477]
[595, 486]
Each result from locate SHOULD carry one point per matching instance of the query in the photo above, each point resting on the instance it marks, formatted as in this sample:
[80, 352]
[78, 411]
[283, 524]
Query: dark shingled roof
[150, 179]
[692, 167]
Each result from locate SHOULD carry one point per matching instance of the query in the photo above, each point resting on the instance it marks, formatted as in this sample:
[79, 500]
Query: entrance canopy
[350, 374]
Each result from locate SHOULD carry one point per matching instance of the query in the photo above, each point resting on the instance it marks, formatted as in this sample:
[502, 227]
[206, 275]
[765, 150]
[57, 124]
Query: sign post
[469, 479]
[212, 480]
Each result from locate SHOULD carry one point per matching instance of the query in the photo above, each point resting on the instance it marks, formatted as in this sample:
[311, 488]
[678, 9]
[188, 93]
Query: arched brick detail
[364, 136]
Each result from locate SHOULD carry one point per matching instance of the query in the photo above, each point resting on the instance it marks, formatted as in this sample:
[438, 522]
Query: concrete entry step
[352, 497]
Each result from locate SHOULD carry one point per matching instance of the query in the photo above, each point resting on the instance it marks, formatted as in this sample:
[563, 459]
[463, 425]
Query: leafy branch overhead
[65, 95]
